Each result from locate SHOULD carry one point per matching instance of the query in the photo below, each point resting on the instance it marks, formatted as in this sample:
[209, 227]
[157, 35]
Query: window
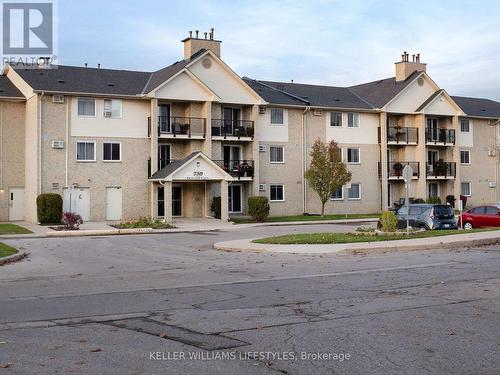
[478, 210]
[111, 151]
[277, 116]
[490, 210]
[276, 154]
[341, 154]
[464, 157]
[335, 118]
[464, 125]
[85, 151]
[112, 108]
[353, 120]
[86, 107]
[465, 189]
[277, 193]
[338, 195]
[353, 155]
[355, 191]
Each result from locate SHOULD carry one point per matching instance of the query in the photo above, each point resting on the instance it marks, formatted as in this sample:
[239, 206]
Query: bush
[72, 220]
[258, 208]
[434, 200]
[49, 208]
[143, 222]
[216, 207]
[389, 221]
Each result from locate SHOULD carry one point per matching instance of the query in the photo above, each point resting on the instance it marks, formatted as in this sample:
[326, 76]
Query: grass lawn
[13, 229]
[331, 238]
[6, 250]
[282, 219]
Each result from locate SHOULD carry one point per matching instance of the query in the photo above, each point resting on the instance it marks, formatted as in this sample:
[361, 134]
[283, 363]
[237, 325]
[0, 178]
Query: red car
[481, 216]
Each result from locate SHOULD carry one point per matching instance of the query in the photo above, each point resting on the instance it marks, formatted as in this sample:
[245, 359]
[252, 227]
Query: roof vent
[110, 84]
[61, 80]
[2, 90]
[337, 100]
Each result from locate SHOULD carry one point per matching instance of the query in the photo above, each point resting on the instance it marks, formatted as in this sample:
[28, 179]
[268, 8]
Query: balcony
[439, 137]
[397, 135]
[395, 170]
[441, 170]
[240, 169]
[179, 127]
[242, 130]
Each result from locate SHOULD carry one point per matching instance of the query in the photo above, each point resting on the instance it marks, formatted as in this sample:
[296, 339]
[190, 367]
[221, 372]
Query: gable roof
[478, 107]
[8, 90]
[379, 93]
[304, 94]
[172, 167]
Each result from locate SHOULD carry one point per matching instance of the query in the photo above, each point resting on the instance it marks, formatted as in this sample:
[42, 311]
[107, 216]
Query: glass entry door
[231, 117]
[433, 189]
[176, 200]
[232, 157]
[164, 118]
[234, 197]
[163, 156]
[432, 129]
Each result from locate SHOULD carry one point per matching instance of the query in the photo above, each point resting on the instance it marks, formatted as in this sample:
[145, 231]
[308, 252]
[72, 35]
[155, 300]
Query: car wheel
[422, 226]
[468, 226]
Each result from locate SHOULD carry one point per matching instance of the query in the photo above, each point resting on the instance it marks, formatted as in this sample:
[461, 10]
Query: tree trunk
[323, 209]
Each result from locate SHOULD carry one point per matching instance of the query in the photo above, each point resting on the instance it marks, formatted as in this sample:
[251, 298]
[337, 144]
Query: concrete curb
[13, 258]
[310, 222]
[451, 241]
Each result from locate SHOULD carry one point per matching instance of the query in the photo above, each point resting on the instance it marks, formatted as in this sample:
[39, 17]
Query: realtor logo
[28, 31]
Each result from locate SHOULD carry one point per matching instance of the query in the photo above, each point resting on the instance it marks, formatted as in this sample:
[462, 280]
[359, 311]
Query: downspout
[66, 179]
[1, 147]
[304, 160]
[40, 143]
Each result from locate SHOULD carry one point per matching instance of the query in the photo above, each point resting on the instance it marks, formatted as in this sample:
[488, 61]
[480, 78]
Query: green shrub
[258, 208]
[434, 200]
[143, 222]
[216, 207]
[389, 221]
[49, 208]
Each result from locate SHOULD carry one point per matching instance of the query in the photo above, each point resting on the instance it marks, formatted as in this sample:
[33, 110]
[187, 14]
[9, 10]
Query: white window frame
[112, 101]
[354, 116]
[270, 188]
[360, 192]
[468, 152]
[341, 154]
[85, 160]
[112, 143]
[283, 153]
[271, 116]
[468, 121]
[470, 188]
[86, 116]
[342, 196]
[341, 120]
[359, 155]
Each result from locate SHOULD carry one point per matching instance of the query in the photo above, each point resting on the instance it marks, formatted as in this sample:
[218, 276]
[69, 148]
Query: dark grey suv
[428, 216]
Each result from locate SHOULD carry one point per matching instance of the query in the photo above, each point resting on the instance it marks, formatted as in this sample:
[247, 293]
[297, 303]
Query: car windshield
[443, 212]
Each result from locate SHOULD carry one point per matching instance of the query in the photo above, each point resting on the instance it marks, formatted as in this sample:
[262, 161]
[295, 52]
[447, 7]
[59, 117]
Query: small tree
[258, 208]
[327, 172]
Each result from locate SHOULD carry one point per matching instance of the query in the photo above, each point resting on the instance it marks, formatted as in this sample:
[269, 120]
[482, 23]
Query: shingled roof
[478, 107]
[8, 90]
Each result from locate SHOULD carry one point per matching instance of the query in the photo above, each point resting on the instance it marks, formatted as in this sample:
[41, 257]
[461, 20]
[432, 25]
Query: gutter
[40, 143]
[304, 159]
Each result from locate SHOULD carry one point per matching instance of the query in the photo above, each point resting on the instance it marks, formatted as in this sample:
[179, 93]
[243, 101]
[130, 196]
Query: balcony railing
[402, 135]
[232, 128]
[395, 169]
[181, 126]
[237, 168]
[440, 135]
[442, 169]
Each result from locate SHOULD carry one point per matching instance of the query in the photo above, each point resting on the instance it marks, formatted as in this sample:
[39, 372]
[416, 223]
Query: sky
[338, 43]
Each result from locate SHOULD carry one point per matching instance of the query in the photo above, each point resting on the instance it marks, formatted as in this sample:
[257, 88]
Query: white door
[16, 204]
[113, 203]
[78, 201]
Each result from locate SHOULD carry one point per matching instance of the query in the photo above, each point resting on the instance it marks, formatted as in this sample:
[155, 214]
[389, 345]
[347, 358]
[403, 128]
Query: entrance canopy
[196, 167]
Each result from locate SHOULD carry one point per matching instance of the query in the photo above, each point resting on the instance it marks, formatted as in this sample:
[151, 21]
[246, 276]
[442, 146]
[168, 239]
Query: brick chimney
[193, 43]
[405, 67]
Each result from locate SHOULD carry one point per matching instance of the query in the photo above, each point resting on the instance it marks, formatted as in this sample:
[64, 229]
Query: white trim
[87, 160]
[468, 120]
[468, 151]
[241, 199]
[339, 199]
[329, 119]
[360, 193]
[95, 107]
[283, 153]
[111, 160]
[283, 189]
[470, 188]
[438, 189]
[112, 100]
[282, 116]
[359, 155]
[354, 115]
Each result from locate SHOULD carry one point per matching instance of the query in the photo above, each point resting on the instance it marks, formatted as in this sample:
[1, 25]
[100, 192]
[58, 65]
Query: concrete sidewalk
[462, 239]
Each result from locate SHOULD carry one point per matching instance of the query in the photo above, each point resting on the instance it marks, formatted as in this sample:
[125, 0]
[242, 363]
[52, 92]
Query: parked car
[481, 216]
[428, 216]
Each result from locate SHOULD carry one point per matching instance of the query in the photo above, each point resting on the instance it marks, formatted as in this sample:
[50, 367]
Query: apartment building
[120, 144]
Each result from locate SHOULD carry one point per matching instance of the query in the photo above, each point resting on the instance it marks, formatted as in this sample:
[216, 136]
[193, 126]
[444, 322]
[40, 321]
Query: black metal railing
[440, 135]
[395, 169]
[232, 128]
[188, 126]
[402, 135]
[441, 169]
[237, 168]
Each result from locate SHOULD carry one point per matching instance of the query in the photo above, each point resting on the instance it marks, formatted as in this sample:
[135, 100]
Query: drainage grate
[197, 339]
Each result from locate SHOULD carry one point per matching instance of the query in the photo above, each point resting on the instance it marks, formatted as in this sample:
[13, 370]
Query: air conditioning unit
[107, 114]
[262, 109]
[58, 99]
[492, 152]
[262, 187]
[317, 112]
[492, 184]
[57, 144]
[262, 148]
